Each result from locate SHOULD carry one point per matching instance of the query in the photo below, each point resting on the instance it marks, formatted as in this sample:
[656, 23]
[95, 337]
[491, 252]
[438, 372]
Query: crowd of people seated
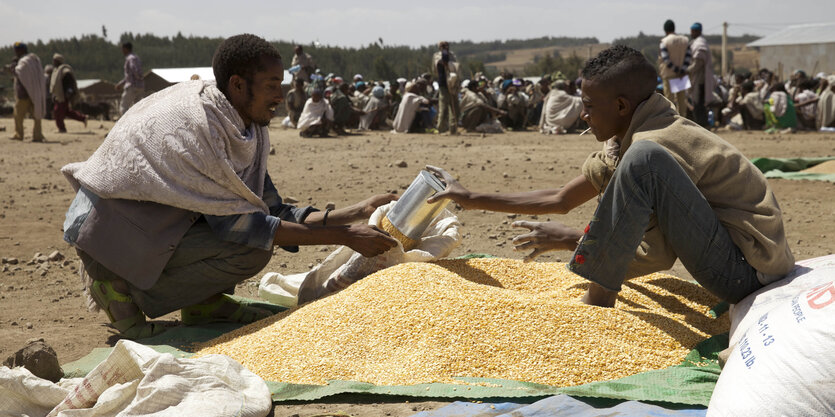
[319, 104]
[762, 101]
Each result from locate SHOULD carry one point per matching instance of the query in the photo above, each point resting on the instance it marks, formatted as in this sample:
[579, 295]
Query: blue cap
[696, 26]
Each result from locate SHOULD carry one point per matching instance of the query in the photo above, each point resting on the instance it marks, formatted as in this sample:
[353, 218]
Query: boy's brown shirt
[736, 190]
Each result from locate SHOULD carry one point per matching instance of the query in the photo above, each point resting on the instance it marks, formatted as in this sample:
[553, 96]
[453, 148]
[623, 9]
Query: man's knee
[251, 262]
[647, 155]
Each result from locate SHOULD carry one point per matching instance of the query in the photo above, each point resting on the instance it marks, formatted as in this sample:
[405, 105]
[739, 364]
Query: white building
[808, 47]
[160, 78]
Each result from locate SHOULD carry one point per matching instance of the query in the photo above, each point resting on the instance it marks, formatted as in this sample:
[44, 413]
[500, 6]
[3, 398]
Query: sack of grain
[344, 266]
[806, 274]
[784, 363]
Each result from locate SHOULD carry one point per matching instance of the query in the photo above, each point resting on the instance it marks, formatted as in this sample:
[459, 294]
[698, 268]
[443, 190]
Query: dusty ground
[42, 299]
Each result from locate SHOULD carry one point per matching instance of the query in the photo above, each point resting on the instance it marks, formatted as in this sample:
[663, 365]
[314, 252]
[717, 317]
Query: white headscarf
[185, 146]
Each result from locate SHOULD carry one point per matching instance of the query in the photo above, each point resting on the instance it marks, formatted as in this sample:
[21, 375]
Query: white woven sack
[136, 380]
[344, 266]
[806, 274]
[784, 364]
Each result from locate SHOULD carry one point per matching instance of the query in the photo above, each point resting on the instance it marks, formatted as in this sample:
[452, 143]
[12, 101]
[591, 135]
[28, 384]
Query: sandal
[209, 312]
[132, 327]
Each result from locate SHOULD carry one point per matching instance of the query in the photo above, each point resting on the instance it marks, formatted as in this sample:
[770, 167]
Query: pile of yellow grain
[494, 318]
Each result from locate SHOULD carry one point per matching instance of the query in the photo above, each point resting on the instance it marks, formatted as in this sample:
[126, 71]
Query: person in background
[780, 115]
[750, 106]
[295, 101]
[537, 93]
[476, 113]
[395, 94]
[133, 83]
[47, 73]
[64, 90]
[826, 103]
[446, 70]
[344, 112]
[701, 75]
[561, 112]
[317, 116]
[30, 91]
[514, 103]
[807, 105]
[361, 94]
[376, 110]
[305, 62]
[412, 110]
[793, 84]
[673, 61]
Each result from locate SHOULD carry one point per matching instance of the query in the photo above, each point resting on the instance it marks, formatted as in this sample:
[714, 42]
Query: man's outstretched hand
[453, 191]
[545, 237]
[369, 241]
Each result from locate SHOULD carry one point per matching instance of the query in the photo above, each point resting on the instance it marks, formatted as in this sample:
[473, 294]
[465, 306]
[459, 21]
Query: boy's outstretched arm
[550, 201]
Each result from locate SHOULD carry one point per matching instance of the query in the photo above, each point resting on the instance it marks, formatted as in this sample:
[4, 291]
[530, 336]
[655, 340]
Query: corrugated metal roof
[799, 34]
[82, 84]
[177, 75]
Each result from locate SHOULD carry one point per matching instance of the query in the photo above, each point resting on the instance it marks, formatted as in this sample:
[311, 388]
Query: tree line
[94, 57]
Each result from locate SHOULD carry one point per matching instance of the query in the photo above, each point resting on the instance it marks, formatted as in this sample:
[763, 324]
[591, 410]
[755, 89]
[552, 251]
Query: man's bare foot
[599, 296]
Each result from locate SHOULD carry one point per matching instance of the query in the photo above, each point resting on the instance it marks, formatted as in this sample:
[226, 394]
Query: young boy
[670, 189]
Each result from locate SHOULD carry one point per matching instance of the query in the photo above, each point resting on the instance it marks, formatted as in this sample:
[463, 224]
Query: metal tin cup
[411, 214]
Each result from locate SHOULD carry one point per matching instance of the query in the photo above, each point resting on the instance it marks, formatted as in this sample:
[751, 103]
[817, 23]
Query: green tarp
[788, 168]
[690, 383]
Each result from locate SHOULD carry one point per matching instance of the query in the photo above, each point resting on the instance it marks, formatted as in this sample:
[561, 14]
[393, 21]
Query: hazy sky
[413, 23]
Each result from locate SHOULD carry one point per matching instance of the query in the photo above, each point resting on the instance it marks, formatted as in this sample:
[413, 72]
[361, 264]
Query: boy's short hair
[241, 55]
[624, 69]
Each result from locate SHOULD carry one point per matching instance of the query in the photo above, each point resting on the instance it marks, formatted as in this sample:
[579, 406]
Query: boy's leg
[649, 180]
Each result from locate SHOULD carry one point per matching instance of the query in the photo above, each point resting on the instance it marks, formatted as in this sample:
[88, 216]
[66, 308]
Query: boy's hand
[545, 237]
[453, 191]
[370, 204]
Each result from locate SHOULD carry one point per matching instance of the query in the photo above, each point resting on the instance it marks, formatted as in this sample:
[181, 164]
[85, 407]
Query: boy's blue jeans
[649, 180]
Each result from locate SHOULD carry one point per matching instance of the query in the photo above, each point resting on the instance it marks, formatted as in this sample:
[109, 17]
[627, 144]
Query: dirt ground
[41, 298]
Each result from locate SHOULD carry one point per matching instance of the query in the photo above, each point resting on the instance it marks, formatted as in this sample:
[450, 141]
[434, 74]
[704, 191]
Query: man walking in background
[701, 75]
[133, 85]
[63, 87]
[30, 91]
[672, 65]
[305, 63]
[447, 73]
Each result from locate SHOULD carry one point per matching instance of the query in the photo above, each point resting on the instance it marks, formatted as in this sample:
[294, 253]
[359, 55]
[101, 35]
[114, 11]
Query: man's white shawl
[56, 83]
[826, 105]
[701, 52]
[313, 113]
[29, 72]
[561, 110]
[184, 146]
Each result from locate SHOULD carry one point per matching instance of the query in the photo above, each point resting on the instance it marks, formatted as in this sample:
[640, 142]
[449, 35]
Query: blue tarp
[558, 405]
